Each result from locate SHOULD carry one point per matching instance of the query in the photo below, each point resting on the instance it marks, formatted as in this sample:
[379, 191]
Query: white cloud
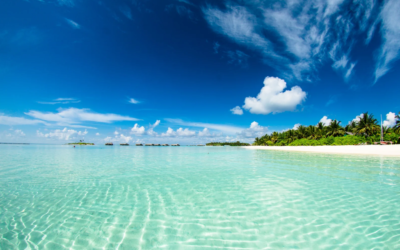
[10, 120]
[219, 127]
[116, 133]
[358, 118]
[180, 132]
[97, 134]
[273, 99]
[206, 133]
[19, 132]
[126, 139]
[73, 24]
[390, 30]
[237, 111]
[296, 126]
[150, 131]
[325, 121]
[61, 101]
[136, 130]
[74, 115]
[64, 134]
[133, 101]
[390, 120]
[255, 130]
[108, 139]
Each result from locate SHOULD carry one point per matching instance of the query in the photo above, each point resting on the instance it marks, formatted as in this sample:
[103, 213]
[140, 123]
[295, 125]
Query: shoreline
[376, 150]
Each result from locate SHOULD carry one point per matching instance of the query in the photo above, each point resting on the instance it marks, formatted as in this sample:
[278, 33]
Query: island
[238, 143]
[80, 143]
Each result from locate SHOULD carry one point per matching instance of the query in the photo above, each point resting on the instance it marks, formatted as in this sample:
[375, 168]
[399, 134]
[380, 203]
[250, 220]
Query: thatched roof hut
[124, 144]
[164, 145]
[139, 144]
[149, 144]
[157, 144]
[175, 145]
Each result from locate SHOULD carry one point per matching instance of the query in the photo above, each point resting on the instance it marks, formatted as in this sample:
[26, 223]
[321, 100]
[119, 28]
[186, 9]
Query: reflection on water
[58, 197]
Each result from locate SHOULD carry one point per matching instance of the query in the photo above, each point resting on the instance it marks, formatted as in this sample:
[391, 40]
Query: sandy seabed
[384, 150]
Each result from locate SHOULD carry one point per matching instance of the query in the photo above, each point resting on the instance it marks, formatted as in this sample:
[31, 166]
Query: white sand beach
[383, 150]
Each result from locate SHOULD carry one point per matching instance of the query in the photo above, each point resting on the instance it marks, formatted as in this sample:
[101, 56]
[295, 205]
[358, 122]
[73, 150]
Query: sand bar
[383, 150]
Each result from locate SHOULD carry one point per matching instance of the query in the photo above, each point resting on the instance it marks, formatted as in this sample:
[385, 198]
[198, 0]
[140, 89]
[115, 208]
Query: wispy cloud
[237, 57]
[305, 34]
[218, 127]
[72, 23]
[75, 116]
[12, 120]
[68, 3]
[183, 11]
[133, 101]
[216, 47]
[390, 30]
[187, 2]
[61, 101]
[126, 11]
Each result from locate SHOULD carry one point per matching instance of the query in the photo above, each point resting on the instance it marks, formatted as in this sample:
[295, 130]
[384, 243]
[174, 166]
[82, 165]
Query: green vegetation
[364, 131]
[238, 143]
[80, 143]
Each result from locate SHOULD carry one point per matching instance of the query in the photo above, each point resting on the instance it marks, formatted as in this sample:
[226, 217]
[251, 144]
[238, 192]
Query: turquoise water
[97, 197]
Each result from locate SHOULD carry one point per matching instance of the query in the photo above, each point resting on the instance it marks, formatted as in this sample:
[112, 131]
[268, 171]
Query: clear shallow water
[97, 197]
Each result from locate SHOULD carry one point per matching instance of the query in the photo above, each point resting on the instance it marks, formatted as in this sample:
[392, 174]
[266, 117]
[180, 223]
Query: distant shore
[383, 150]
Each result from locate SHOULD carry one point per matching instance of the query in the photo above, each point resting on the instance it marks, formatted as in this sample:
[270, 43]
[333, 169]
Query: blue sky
[192, 71]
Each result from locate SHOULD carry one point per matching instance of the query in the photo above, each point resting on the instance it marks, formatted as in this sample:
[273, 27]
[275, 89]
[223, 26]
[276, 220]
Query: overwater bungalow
[164, 145]
[149, 144]
[200, 145]
[109, 144]
[139, 144]
[175, 145]
[157, 144]
[124, 144]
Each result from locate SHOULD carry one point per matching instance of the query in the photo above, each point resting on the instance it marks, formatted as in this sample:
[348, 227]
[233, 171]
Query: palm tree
[291, 135]
[301, 131]
[312, 132]
[274, 137]
[367, 125]
[334, 129]
[350, 127]
[396, 127]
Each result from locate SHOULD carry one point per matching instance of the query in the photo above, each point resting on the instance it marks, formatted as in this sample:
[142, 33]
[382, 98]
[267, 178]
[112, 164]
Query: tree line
[362, 131]
[238, 143]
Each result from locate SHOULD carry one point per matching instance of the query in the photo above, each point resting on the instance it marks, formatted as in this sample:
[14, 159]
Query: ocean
[98, 197]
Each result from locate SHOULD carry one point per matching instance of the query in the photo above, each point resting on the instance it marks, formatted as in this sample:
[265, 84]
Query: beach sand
[383, 150]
